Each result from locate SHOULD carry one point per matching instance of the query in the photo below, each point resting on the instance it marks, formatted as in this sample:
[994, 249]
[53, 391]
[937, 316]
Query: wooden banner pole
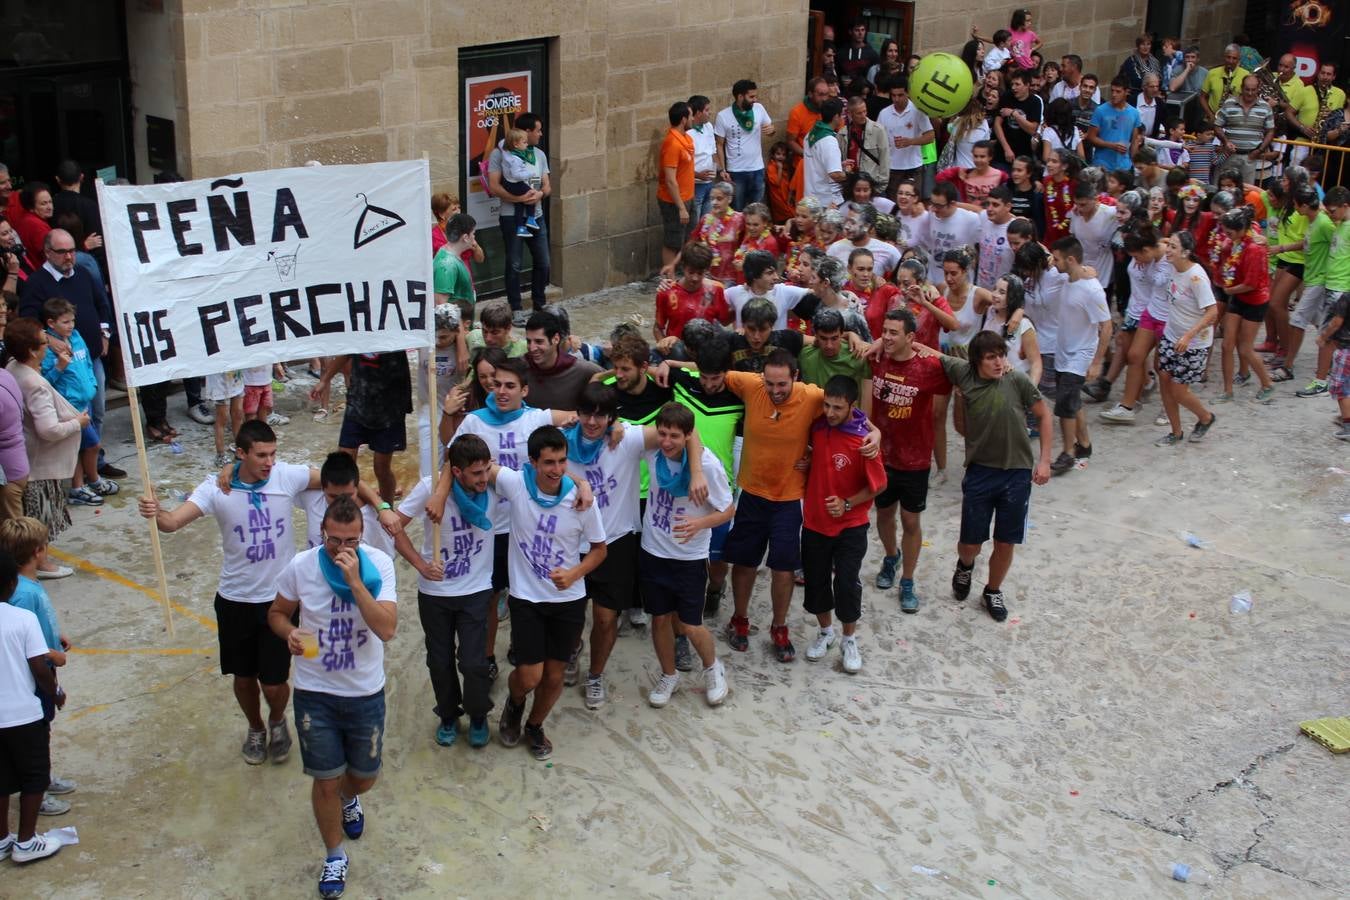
[434, 415]
[133, 401]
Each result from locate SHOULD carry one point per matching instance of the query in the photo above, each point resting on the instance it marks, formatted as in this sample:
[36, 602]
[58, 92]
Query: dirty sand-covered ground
[1121, 720]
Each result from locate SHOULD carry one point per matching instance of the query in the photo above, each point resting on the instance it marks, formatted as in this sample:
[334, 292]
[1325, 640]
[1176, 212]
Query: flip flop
[158, 433]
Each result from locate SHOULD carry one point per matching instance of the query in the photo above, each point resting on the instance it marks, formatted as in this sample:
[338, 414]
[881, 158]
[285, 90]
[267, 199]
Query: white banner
[222, 274]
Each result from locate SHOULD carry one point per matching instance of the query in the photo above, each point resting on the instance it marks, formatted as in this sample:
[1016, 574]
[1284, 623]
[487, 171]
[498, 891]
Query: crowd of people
[824, 309]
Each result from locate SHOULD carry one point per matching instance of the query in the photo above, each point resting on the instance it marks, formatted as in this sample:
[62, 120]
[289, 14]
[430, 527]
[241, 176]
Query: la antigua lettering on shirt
[539, 550]
[508, 453]
[260, 537]
[464, 546]
[339, 642]
[663, 506]
[601, 484]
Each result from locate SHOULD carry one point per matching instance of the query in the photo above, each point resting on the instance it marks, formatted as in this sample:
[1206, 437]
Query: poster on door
[1314, 32]
[491, 105]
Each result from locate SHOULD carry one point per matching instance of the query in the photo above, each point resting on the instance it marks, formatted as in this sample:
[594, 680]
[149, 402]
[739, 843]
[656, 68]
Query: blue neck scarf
[544, 500]
[332, 573]
[252, 488]
[676, 482]
[581, 449]
[473, 507]
[495, 417]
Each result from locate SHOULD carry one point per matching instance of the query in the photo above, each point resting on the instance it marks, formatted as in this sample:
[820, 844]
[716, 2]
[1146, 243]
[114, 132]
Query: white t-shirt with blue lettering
[663, 511]
[315, 504]
[544, 539]
[613, 478]
[508, 445]
[351, 658]
[465, 552]
[256, 542]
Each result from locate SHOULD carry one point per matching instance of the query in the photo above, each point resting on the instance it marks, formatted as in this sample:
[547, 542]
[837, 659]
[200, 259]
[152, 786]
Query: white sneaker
[1118, 415]
[596, 695]
[275, 419]
[40, 847]
[821, 645]
[667, 686]
[6, 844]
[58, 572]
[637, 618]
[852, 656]
[715, 682]
[1162, 420]
[53, 806]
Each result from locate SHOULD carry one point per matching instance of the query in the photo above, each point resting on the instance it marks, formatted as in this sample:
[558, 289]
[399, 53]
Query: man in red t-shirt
[692, 297]
[675, 186]
[839, 490]
[903, 387]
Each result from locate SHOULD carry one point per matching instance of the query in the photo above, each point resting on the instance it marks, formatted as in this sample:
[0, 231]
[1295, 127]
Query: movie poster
[491, 104]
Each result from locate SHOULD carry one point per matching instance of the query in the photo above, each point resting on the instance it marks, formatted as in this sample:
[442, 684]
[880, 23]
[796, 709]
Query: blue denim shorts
[340, 734]
[762, 524]
[1000, 495]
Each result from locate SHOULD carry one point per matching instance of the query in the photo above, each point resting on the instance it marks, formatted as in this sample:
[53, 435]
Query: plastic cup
[310, 641]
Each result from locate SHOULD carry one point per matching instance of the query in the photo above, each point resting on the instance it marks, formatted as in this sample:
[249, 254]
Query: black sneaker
[1081, 452]
[511, 656]
[1063, 463]
[540, 745]
[993, 601]
[493, 671]
[508, 729]
[712, 599]
[1202, 428]
[1097, 391]
[961, 581]
[108, 470]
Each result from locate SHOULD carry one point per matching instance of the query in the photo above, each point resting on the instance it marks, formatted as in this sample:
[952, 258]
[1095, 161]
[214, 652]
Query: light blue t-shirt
[1116, 126]
[29, 595]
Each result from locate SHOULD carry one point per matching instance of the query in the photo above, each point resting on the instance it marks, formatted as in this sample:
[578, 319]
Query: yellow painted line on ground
[148, 651]
[114, 577]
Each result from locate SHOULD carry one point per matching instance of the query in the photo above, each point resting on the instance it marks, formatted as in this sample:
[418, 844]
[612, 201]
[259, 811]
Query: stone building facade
[252, 84]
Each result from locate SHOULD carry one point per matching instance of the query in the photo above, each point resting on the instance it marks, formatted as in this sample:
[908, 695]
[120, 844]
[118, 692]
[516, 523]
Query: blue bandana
[545, 500]
[332, 573]
[675, 483]
[252, 488]
[495, 417]
[473, 507]
[581, 449]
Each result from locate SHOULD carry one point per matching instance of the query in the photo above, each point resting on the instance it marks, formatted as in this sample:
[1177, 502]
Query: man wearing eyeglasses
[60, 277]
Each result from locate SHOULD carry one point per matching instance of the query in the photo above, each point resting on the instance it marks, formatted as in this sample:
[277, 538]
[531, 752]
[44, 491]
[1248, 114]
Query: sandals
[1281, 373]
[161, 432]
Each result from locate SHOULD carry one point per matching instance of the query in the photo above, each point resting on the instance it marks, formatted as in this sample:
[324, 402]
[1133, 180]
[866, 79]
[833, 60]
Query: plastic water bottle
[1184, 872]
[1194, 540]
[1241, 603]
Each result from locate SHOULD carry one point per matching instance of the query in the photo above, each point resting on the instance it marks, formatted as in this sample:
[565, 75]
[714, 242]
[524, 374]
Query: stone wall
[272, 83]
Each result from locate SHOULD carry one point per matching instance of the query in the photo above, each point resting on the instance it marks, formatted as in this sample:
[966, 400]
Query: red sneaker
[738, 633]
[782, 646]
[1267, 347]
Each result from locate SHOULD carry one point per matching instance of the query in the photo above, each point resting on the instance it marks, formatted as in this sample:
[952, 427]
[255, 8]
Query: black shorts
[25, 759]
[1068, 394]
[248, 646]
[501, 576]
[1249, 312]
[390, 439]
[543, 631]
[611, 584]
[673, 586]
[1293, 268]
[675, 233]
[908, 487]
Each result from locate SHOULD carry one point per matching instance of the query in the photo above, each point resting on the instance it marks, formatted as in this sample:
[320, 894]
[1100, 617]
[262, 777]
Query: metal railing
[1335, 160]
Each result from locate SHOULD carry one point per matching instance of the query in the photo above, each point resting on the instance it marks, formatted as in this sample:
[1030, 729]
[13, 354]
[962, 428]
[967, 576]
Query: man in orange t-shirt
[800, 121]
[675, 187]
[779, 411]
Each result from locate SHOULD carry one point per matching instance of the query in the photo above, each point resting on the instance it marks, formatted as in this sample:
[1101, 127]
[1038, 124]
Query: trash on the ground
[541, 821]
[1241, 602]
[1345, 518]
[433, 868]
[67, 835]
[1332, 732]
[175, 448]
[924, 870]
[1139, 495]
[1194, 540]
[1337, 470]
[1184, 872]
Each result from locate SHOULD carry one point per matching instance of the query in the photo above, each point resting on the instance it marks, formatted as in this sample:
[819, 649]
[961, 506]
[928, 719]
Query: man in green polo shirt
[450, 277]
[829, 355]
[1310, 314]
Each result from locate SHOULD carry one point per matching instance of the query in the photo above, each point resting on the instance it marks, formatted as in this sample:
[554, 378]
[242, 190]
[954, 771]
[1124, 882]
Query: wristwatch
[383, 506]
[848, 506]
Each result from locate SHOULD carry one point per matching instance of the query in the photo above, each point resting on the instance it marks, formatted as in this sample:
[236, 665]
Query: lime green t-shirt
[450, 276]
[1291, 230]
[817, 368]
[1338, 259]
[1319, 248]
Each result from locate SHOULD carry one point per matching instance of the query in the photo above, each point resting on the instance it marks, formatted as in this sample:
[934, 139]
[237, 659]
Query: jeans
[340, 734]
[445, 619]
[749, 188]
[98, 404]
[702, 203]
[538, 243]
[192, 390]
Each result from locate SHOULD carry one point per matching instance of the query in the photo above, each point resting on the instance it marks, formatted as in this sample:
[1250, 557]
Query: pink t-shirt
[1019, 45]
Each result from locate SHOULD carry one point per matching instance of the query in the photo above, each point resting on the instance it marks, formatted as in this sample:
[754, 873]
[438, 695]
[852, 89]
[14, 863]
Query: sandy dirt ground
[1121, 720]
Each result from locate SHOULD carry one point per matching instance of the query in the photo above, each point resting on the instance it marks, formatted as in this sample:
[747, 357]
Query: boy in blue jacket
[70, 369]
